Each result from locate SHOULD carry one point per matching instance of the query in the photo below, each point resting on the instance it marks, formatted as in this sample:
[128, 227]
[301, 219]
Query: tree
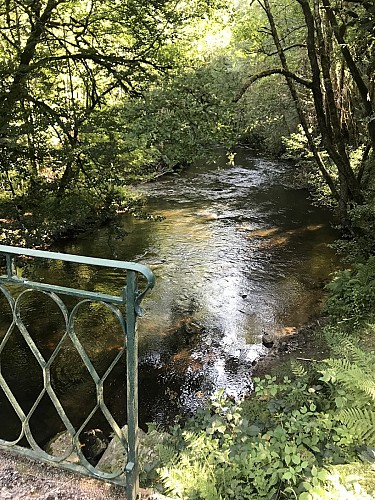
[60, 61]
[328, 54]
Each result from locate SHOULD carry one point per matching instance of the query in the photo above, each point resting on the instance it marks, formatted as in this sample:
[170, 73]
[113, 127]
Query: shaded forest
[97, 96]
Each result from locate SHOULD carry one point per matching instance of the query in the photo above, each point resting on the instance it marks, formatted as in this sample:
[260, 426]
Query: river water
[237, 252]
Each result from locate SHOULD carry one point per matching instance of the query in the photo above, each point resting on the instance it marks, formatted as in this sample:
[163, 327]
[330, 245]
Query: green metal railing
[125, 308]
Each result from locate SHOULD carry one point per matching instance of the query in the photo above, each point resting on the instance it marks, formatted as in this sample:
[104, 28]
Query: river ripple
[240, 252]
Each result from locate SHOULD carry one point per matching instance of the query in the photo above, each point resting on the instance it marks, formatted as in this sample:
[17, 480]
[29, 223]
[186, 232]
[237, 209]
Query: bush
[285, 453]
[42, 216]
[361, 242]
[352, 294]
[299, 438]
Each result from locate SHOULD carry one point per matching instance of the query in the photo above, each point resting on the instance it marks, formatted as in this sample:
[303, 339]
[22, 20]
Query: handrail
[80, 259]
[9, 251]
[131, 297]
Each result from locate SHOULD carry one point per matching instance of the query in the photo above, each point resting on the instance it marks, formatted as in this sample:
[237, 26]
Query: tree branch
[285, 49]
[354, 69]
[102, 60]
[269, 72]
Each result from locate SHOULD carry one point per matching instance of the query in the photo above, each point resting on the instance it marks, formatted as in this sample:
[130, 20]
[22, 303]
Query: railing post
[132, 468]
[10, 266]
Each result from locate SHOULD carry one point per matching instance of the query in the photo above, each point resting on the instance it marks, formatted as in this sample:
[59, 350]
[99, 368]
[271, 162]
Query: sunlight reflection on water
[239, 252]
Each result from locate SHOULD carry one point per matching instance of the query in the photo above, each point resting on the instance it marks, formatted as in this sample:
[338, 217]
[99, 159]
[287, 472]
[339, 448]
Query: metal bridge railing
[125, 308]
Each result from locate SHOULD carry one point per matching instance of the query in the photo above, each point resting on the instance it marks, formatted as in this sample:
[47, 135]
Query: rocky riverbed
[307, 345]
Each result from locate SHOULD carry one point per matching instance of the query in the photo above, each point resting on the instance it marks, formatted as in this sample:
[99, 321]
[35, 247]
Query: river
[237, 252]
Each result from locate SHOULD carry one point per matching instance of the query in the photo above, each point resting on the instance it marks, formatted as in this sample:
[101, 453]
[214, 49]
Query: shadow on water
[239, 252]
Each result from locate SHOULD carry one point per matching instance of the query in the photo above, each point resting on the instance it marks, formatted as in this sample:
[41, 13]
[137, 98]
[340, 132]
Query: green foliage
[350, 374]
[284, 453]
[109, 95]
[352, 381]
[283, 442]
[43, 216]
[180, 121]
[300, 437]
[352, 294]
[267, 111]
[360, 244]
[295, 39]
[297, 150]
[267, 115]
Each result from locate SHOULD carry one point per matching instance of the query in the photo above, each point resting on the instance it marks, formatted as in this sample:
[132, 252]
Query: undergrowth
[308, 436]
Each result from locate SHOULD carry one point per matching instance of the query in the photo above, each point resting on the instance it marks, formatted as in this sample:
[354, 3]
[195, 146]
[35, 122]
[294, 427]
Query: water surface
[239, 252]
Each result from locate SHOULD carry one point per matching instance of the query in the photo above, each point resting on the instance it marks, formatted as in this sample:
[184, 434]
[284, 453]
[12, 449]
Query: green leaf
[304, 496]
[287, 475]
[296, 459]
[322, 475]
[306, 485]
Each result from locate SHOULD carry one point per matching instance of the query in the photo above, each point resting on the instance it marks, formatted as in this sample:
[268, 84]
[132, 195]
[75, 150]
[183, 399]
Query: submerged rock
[61, 446]
[268, 340]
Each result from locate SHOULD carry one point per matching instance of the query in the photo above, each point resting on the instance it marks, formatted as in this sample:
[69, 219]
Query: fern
[167, 454]
[298, 370]
[338, 366]
[361, 422]
[362, 358]
[352, 380]
[368, 386]
[358, 381]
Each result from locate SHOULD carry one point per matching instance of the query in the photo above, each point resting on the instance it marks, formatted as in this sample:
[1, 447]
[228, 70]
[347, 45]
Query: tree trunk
[297, 102]
[15, 92]
[363, 89]
[326, 111]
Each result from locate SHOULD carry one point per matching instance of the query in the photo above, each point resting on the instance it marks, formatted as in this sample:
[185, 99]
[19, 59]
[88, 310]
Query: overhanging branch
[270, 72]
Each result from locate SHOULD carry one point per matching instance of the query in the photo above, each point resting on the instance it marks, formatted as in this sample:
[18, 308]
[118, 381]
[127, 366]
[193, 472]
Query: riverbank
[43, 218]
[239, 252]
[22, 478]
[308, 431]
[307, 345]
